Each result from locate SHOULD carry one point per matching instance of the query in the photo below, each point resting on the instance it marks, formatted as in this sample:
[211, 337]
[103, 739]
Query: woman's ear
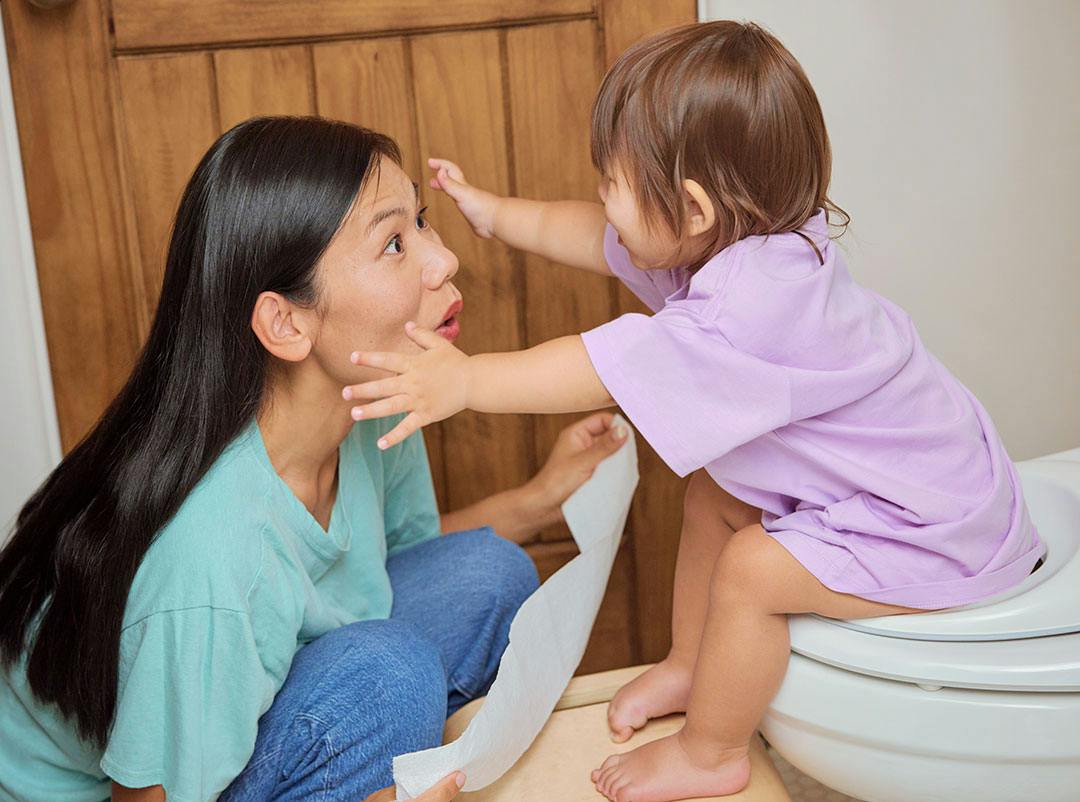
[278, 327]
[700, 214]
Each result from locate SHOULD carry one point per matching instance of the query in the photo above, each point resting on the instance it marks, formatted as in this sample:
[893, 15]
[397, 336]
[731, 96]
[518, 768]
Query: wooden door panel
[64, 108]
[369, 83]
[116, 104]
[168, 117]
[155, 24]
[460, 102]
[553, 74]
[259, 81]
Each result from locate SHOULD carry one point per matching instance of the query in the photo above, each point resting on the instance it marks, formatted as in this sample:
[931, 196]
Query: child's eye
[421, 222]
[395, 245]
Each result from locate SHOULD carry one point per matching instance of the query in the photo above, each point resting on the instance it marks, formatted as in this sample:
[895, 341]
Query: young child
[846, 472]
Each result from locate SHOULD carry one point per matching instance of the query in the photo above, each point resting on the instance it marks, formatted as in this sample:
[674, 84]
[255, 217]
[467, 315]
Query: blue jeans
[361, 694]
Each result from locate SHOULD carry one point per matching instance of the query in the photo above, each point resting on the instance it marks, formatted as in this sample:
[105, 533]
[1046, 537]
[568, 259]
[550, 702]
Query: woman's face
[384, 267]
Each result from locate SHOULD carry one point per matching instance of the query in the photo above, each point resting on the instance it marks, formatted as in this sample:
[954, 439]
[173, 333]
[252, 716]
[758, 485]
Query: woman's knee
[494, 566]
[381, 665]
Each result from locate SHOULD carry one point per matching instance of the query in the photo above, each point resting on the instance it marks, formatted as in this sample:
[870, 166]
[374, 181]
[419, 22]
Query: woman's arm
[568, 232]
[521, 513]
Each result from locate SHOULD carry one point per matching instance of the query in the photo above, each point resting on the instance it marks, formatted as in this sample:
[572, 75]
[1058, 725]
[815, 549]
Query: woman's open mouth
[450, 328]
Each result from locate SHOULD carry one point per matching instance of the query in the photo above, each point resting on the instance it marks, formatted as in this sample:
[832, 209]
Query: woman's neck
[303, 421]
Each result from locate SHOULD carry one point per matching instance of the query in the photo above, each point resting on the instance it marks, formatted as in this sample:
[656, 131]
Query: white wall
[29, 441]
[955, 129]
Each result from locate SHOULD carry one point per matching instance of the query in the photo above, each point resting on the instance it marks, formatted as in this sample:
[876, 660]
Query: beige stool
[575, 741]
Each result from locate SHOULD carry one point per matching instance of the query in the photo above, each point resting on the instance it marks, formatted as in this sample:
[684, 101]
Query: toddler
[838, 468]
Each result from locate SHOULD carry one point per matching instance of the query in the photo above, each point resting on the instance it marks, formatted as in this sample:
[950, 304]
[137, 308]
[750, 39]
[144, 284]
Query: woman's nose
[441, 267]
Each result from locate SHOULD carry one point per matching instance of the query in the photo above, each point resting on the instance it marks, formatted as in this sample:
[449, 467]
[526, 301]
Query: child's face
[649, 249]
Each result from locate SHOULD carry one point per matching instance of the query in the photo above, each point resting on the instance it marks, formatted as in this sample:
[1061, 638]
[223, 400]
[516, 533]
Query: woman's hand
[477, 205]
[443, 791]
[579, 448]
[430, 386]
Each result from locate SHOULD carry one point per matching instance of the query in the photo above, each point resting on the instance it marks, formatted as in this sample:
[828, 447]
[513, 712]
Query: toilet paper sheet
[547, 640]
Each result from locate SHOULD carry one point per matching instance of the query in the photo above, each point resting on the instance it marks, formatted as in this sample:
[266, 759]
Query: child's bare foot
[663, 770]
[661, 690]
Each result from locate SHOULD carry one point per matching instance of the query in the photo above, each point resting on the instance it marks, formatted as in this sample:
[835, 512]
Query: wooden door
[116, 101]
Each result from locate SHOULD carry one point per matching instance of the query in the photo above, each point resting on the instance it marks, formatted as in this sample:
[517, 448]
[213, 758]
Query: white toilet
[980, 704]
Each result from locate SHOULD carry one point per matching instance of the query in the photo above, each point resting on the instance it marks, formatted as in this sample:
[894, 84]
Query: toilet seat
[1025, 639]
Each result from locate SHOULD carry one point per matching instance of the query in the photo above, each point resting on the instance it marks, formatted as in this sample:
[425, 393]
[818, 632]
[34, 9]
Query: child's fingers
[400, 432]
[425, 338]
[447, 166]
[380, 388]
[382, 408]
[395, 363]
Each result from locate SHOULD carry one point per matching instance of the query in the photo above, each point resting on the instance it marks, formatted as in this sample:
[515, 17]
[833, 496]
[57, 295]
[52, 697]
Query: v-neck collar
[327, 544]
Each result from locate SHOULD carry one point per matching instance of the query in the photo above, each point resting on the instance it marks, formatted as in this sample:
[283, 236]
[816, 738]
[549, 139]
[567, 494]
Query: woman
[227, 590]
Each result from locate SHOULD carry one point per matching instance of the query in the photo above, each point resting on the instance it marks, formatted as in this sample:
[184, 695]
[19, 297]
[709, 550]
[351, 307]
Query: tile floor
[803, 788]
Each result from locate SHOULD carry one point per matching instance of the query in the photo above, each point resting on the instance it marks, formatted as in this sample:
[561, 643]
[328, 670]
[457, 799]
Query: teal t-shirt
[231, 588]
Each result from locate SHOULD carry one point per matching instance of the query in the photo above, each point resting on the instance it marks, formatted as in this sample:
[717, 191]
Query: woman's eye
[395, 245]
[421, 221]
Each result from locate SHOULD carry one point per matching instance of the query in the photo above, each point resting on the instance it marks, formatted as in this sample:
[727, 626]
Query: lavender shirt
[813, 398]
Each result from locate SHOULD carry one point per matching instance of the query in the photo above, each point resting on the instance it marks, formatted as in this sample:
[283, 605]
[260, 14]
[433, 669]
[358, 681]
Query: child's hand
[430, 386]
[477, 205]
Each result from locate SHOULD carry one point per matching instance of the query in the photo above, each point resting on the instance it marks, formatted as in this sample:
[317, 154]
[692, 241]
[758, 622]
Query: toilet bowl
[980, 703]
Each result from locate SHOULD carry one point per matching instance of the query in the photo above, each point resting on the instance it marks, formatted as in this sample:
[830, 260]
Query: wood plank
[613, 642]
[574, 741]
[554, 72]
[368, 83]
[460, 115]
[263, 81]
[656, 514]
[626, 21]
[145, 24]
[63, 107]
[169, 123]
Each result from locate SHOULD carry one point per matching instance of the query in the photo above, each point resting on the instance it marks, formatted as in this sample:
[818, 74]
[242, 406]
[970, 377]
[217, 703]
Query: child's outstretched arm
[568, 232]
[555, 376]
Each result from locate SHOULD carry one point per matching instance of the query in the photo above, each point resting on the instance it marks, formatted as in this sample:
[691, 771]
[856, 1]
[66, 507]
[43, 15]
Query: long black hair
[256, 216]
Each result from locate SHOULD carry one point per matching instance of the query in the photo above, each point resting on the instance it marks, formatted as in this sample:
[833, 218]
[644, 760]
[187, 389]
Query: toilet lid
[1027, 638]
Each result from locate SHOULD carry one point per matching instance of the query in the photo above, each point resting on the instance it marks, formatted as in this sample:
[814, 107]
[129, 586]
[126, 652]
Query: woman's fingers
[597, 424]
[395, 363]
[383, 408]
[444, 790]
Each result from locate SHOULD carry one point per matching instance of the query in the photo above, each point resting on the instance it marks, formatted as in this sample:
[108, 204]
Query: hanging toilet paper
[547, 640]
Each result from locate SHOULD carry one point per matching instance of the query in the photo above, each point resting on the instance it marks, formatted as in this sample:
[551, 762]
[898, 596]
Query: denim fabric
[368, 691]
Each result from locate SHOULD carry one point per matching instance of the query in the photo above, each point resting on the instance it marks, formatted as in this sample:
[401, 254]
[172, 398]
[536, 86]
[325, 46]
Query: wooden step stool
[575, 741]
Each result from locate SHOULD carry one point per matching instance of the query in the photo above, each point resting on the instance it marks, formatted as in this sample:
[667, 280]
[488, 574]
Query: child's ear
[700, 214]
[280, 328]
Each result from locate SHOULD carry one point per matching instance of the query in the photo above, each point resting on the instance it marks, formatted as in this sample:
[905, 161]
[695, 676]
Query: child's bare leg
[743, 656]
[710, 516]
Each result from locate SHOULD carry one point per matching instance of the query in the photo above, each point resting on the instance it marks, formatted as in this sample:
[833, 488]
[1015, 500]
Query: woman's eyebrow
[396, 211]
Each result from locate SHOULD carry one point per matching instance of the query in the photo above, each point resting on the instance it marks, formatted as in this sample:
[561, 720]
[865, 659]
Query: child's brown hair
[725, 104]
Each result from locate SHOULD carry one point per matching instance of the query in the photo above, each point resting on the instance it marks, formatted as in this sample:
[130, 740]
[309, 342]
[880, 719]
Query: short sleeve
[411, 512]
[652, 287]
[191, 690]
[690, 393]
